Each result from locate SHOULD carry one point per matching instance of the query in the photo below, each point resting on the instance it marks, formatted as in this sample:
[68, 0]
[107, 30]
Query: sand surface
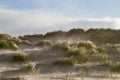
[43, 59]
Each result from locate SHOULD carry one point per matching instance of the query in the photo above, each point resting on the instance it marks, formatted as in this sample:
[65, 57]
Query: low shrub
[8, 45]
[16, 40]
[101, 50]
[26, 42]
[78, 54]
[66, 62]
[102, 57]
[64, 46]
[44, 43]
[118, 50]
[86, 44]
[5, 37]
[28, 68]
[107, 63]
[3, 44]
[13, 46]
[20, 58]
[116, 68]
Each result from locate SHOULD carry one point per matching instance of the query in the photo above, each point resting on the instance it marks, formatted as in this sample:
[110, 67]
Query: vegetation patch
[118, 50]
[116, 68]
[65, 61]
[28, 68]
[44, 43]
[8, 45]
[64, 46]
[101, 50]
[8, 42]
[102, 57]
[78, 54]
[86, 44]
[20, 58]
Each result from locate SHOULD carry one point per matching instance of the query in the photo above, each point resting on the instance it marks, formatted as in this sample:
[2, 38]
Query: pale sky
[19, 17]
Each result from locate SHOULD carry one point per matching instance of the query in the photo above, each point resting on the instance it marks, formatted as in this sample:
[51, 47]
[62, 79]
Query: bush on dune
[101, 50]
[65, 61]
[3, 44]
[64, 46]
[86, 44]
[73, 57]
[118, 49]
[8, 45]
[20, 58]
[29, 68]
[102, 57]
[115, 68]
[5, 37]
[44, 43]
[8, 42]
[79, 55]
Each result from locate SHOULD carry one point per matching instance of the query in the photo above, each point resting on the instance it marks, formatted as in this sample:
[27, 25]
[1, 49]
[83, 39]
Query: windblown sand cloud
[20, 22]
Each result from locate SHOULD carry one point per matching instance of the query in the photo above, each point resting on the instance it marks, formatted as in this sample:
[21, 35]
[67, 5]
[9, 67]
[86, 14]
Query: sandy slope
[43, 59]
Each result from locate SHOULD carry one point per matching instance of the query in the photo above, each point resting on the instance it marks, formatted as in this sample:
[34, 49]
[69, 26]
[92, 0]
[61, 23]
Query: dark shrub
[21, 58]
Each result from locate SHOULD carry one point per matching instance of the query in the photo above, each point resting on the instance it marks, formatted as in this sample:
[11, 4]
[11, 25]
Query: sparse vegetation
[64, 46]
[8, 45]
[44, 43]
[21, 58]
[108, 63]
[102, 57]
[5, 37]
[65, 62]
[118, 50]
[78, 54]
[28, 68]
[86, 44]
[116, 68]
[71, 50]
[8, 42]
[101, 50]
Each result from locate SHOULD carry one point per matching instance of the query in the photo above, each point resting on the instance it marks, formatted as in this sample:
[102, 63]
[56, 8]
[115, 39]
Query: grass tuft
[116, 68]
[86, 44]
[65, 61]
[44, 43]
[28, 68]
[79, 55]
[20, 58]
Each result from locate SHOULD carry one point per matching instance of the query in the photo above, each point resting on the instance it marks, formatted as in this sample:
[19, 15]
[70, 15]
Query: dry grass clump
[79, 55]
[118, 50]
[108, 63]
[21, 58]
[86, 44]
[44, 43]
[8, 45]
[5, 37]
[62, 45]
[89, 46]
[65, 62]
[102, 57]
[8, 42]
[115, 68]
[101, 50]
[29, 68]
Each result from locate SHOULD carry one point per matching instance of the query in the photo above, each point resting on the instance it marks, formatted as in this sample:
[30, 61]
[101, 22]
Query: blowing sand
[43, 58]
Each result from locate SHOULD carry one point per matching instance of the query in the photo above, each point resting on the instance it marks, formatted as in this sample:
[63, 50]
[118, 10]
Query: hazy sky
[18, 17]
